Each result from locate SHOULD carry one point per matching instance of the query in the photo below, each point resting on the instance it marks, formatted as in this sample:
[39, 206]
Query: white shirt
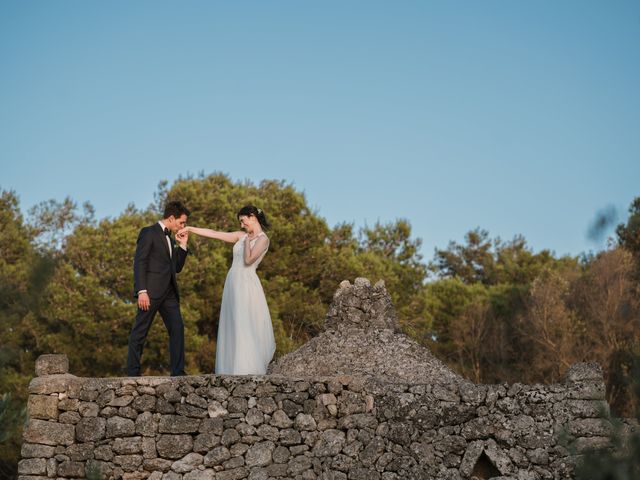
[162, 225]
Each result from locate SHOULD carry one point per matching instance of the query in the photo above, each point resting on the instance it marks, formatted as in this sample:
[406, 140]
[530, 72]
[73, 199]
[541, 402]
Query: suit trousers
[169, 308]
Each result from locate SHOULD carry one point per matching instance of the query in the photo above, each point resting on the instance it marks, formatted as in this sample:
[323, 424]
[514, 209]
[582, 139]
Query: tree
[492, 262]
[23, 271]
[607, 299]
[629, 234]
[550, 327]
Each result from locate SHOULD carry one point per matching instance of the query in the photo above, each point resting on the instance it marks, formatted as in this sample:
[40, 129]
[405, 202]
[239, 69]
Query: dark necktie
[168, 234]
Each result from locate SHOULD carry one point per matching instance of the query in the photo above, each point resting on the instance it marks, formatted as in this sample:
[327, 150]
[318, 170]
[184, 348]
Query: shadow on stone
[484, 469]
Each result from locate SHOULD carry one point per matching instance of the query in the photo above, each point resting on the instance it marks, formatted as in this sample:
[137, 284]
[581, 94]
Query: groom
[157, 261]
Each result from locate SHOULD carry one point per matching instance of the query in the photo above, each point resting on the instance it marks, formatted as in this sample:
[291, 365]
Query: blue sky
[518, 117]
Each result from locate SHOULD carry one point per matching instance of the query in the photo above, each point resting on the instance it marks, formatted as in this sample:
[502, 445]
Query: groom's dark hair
[177, 209]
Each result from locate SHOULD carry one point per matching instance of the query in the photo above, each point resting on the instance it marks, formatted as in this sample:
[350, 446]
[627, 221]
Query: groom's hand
[183, 237]
[143, 301]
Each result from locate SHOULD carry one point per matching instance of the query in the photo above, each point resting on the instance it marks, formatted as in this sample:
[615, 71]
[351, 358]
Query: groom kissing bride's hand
[157, 261]
[183, 237]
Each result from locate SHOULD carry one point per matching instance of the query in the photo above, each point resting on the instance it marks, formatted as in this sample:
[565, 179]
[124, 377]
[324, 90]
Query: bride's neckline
[251, 239]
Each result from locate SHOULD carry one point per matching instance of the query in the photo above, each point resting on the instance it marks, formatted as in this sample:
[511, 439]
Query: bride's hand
[183, 237]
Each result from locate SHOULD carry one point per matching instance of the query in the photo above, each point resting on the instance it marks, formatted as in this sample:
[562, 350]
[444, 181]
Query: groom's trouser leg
[170, 312]
[138, 336]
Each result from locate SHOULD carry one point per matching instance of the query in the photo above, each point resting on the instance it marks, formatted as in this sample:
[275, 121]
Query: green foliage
[482, 260]
[10, 418]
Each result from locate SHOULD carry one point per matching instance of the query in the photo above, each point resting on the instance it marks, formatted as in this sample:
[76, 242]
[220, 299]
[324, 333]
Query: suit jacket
[153, 267]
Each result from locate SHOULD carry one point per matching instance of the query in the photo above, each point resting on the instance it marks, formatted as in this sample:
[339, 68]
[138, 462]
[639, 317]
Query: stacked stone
[361, 339]
[272, 427]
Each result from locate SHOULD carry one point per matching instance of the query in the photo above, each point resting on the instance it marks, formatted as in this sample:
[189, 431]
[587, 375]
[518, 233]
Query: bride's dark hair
[256, 212]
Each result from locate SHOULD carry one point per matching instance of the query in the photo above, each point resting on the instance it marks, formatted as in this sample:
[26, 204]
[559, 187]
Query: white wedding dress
[245, 343]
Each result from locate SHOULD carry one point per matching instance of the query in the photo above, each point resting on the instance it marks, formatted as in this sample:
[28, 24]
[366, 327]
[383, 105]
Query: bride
[245, 343]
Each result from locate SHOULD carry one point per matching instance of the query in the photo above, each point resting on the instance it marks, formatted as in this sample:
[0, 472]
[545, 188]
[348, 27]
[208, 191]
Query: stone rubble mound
[361, 338]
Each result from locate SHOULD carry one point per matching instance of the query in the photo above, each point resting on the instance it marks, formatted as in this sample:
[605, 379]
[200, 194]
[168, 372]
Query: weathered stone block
[44, 407]
[205, 442]
[289, 437]
[358, 420]
[69, 404]
[128, 463]
[229, 437]
[215, 410]
[80, 452]
[71, 469]
[590, 427]
[539, 456]
[235, 474]
[128, 445]
[473, 394]
[145, 403]
[178, 424]
[171, 476]
[196, 400]
[90, 429]
[330, 443]
[121, 401]
[212, 425]
[33, 450]
[57, 383]
[254, 417]
[120, 427]
[237, 405]
[579, 372]
[158, 464]
[260, 454]
[69, 417]
[587, 390]
[187, 463]
[51, 364]
[174, 446]
[32, 466]
[299, 464]
[103, 452]
[281, 419]
[217, 456]
[148, 445]
[238, 449]
[48, 433]
[588, 408]
[305, 422]
[279, 470]
[146, 424]
[281, 454]
[191, 411]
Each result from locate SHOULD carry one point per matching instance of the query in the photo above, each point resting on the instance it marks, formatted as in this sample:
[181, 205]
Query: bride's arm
[251, 254]
[231, 237]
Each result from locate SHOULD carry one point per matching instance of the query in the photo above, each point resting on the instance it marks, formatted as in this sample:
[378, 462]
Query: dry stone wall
[400, 415]
[345, 427]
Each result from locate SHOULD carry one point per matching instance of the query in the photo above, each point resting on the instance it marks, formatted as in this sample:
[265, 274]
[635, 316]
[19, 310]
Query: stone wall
[361, 401]
[343, 427]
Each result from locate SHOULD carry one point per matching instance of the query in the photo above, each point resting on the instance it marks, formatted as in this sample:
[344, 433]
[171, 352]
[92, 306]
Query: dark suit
[154, 270]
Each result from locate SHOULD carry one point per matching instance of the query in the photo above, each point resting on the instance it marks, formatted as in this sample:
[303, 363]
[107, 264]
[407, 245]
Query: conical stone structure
[361, 339]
